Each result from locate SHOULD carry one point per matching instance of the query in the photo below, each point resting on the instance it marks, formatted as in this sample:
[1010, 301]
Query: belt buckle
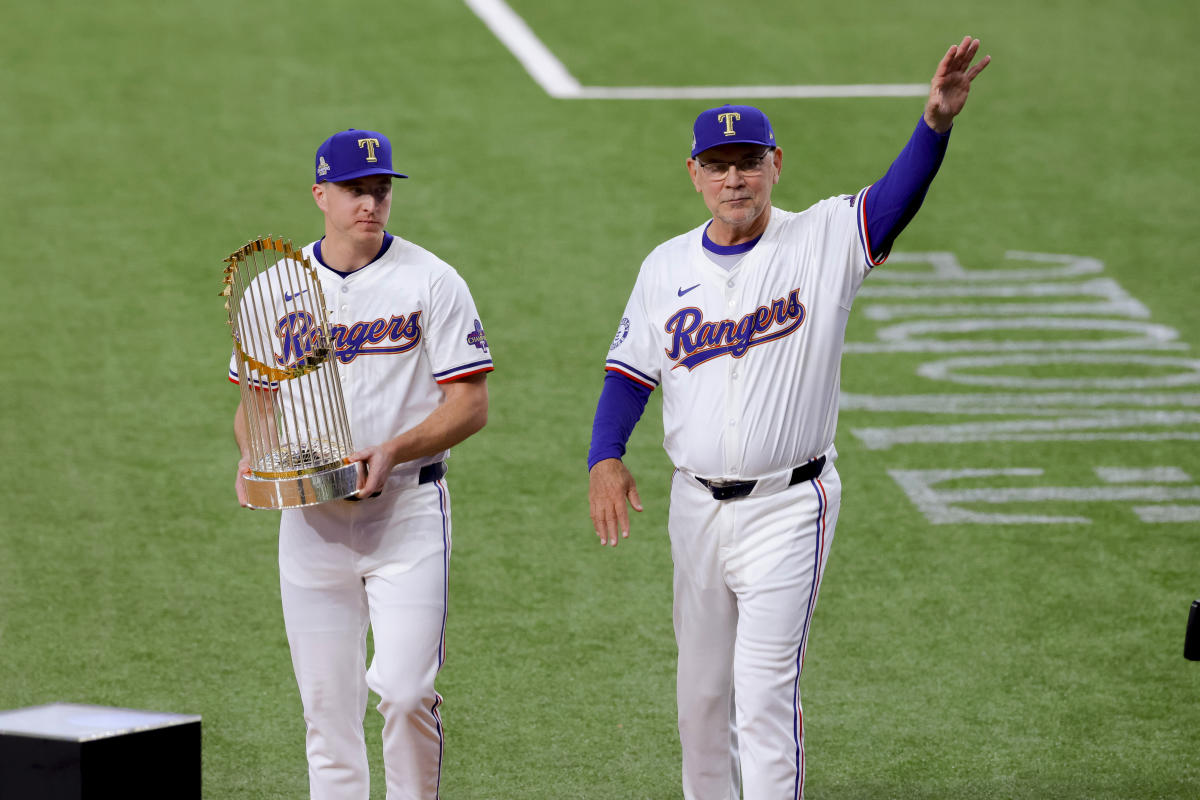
[726, 490]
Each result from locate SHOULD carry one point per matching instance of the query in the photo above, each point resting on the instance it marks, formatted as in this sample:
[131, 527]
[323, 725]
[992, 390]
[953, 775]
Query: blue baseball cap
[731, 125]
[353, 154]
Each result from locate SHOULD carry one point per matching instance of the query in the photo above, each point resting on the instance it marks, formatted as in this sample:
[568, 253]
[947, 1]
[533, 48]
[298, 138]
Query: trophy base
[306, 490]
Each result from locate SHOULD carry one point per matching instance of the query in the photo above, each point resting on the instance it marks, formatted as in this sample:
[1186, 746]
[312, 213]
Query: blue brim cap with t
[353, 154]
[731, 125]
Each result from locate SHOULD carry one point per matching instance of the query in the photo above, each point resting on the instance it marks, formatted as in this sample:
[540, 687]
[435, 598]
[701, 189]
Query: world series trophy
[297, 430]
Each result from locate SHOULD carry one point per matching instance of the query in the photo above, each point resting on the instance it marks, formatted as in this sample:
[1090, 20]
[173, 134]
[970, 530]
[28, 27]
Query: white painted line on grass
[1111, 425]
[1168, 513]
[523, 43]
[1027, 403]
[944, 506]
[1142, 475]
[549, 73]
[752, 92]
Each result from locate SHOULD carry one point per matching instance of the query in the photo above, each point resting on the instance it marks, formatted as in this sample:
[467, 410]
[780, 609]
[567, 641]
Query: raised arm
[894, 199]
[952, 83]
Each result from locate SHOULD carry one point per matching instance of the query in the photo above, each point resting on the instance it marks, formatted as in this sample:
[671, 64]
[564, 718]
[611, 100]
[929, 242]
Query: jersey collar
[756, 248]
[387, 242]
[728, 250]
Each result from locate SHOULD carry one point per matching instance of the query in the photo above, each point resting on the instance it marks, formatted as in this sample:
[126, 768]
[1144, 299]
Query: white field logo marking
[545, 68]
[942, 506]
[1142, 385]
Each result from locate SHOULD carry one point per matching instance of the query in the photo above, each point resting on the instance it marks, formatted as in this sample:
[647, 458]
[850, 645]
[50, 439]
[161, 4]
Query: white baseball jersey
[402, 325]
[749, 358]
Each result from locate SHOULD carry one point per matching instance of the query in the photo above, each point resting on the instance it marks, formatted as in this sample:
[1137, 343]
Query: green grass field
[143, 142]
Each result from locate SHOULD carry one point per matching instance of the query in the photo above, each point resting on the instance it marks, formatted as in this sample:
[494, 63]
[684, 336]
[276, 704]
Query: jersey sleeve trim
[268, 385]
[864, 236]
[474, 368]
[629, 372]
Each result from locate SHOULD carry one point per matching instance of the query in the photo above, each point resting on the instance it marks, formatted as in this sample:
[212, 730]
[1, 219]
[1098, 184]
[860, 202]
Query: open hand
[609, 487]
[951, 83]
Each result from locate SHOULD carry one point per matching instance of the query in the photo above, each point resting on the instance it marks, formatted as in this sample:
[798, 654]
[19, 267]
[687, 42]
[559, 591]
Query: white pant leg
[705, 615]
[334, 559]
[775, 570]
[327, 629]
[408, 624]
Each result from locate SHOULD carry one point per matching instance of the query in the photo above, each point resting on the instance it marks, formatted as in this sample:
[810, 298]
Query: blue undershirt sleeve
[622, 401]
[893, 200]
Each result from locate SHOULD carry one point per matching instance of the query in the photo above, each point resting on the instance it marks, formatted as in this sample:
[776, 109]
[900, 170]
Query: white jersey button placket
[733, 437]
[339, 317]
[345, 308]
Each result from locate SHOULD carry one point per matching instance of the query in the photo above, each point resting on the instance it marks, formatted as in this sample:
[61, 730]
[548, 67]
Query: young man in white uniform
[741, 321]
[412, 358]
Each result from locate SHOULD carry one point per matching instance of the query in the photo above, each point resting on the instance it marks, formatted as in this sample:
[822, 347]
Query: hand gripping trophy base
[303, 490]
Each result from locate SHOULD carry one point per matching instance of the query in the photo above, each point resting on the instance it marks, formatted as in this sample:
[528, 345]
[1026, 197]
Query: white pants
[381, 562]
[747, 572]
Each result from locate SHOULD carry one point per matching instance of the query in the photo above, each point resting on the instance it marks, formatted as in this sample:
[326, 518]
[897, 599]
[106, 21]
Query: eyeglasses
[748, 166]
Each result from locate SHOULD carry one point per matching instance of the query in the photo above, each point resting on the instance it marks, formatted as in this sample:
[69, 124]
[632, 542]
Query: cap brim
[362, 173]
[732, 141]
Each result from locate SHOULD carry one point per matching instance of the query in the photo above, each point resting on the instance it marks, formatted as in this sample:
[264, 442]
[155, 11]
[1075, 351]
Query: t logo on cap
[714, 128]
[370, 144]
[728, 118]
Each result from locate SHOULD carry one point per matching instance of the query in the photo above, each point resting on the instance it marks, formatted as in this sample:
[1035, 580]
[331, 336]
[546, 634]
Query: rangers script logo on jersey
[299, 332]
[695, 341]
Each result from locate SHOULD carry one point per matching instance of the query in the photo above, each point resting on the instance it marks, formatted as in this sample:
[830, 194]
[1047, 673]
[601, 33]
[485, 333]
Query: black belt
[722, 490]
[432, 472]
[428, 474]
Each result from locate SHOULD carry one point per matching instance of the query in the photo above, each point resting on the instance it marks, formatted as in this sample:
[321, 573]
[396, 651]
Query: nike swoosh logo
[683, 291]
[288, 296]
